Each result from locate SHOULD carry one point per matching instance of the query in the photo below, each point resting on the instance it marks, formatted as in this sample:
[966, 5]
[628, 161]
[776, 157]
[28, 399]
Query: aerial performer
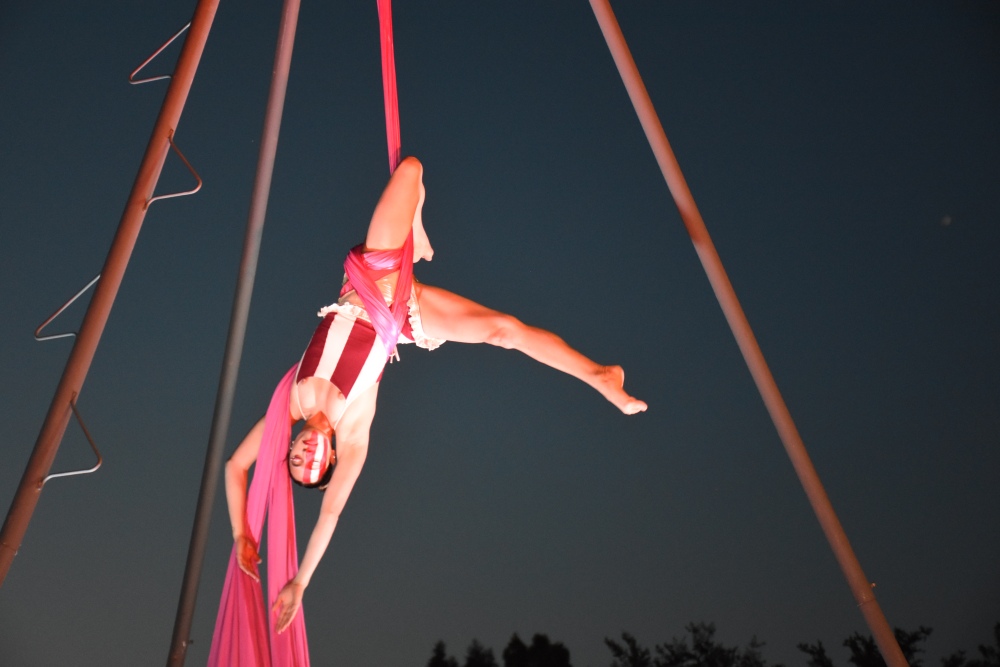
[333, 389]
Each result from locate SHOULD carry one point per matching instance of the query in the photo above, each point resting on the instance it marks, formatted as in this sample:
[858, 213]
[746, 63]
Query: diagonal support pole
[782, 418]
[237, 330]
[28, 492]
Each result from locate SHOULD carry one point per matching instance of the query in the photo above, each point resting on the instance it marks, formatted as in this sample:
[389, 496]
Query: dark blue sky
[846, 159]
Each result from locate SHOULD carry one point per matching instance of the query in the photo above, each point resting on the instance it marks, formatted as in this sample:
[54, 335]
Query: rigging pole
[752, 354]
[237, 331]
[30, 488]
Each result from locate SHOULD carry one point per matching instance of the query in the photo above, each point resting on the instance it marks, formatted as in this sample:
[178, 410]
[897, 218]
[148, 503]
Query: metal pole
[237, 330]
[29, 490]
[724, 292]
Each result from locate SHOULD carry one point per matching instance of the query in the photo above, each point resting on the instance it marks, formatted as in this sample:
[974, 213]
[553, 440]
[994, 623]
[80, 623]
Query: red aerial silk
[244, 629]
[389, 83]
[387, 320]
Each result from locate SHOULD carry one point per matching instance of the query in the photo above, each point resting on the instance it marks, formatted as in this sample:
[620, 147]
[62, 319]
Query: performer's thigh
[452, 317]
[394, 212]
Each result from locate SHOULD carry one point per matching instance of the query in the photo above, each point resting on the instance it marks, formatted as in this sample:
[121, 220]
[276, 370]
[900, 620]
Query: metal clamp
[38, 332]
[100, 460]
[136, 82]
[194, 173]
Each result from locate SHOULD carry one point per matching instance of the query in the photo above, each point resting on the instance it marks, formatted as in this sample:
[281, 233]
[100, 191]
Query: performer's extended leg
[455, 318]
[398, 210]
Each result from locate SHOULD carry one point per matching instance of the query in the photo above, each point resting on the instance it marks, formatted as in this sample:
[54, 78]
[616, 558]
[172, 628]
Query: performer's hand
[287, 605]
[246, 556]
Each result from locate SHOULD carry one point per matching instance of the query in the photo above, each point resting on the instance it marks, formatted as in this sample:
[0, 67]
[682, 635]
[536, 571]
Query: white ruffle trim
[355, 311]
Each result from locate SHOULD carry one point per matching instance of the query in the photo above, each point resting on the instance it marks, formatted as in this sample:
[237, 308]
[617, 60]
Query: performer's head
[312, 457]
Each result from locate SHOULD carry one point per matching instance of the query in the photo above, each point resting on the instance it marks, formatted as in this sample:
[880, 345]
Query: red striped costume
[345, 348]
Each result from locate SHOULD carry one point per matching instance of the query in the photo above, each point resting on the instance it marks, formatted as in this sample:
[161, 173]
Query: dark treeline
[540, 653]
[699, 648]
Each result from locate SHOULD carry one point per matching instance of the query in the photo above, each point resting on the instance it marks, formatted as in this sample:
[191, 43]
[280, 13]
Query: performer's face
[311, 454]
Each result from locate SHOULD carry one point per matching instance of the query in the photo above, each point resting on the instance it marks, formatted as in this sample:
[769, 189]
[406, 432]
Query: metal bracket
[187, 164]
[136, 82]
[100, 460]
[38, 332]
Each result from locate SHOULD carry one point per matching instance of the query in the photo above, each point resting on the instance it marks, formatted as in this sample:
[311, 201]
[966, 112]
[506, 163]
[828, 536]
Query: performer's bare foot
[421, 244]
[610, 381]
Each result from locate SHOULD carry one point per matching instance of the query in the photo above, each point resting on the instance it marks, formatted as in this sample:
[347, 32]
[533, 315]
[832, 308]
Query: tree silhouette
[439, 658]
[479, 656]
[541, 653]
[516, 653]
[989, 655]
[817, 654]
[630, 655]
[703, 651]
[865, 653]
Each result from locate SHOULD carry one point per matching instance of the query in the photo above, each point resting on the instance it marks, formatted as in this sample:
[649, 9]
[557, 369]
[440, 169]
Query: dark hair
[320, 484]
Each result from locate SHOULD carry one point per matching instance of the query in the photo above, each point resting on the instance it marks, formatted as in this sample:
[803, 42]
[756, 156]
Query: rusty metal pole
[29, 490]
[782, 418]
[237, 330]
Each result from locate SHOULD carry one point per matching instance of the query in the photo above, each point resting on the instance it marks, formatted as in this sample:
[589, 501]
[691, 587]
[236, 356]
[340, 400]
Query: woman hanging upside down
[336, 382]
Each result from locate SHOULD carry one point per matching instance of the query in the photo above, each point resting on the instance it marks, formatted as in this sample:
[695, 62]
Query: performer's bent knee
[410, 166]
[506, 333]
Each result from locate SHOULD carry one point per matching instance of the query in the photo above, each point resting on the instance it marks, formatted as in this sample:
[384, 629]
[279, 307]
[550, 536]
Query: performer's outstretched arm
[352, 449]
[237, 471]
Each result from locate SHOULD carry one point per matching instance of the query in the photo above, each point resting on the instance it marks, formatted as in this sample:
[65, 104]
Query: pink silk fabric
[388, 321]
[389, 96]
[244, 629]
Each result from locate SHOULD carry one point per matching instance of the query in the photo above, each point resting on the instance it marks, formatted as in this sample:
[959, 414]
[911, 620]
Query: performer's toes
[611, 385]
[634, 406]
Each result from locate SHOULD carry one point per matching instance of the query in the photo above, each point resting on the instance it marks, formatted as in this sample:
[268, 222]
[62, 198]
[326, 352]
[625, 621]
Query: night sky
[846, 159]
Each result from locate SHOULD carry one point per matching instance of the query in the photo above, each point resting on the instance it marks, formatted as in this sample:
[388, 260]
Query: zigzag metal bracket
[194, 173]
[100, 460]
[136, 82]
[69, 334]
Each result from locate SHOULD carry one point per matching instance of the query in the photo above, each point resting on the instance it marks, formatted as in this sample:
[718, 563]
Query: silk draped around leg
[387, 320]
